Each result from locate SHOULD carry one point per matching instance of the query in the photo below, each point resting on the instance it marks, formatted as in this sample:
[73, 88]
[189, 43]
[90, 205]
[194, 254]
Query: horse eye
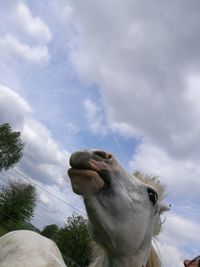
[153, 196]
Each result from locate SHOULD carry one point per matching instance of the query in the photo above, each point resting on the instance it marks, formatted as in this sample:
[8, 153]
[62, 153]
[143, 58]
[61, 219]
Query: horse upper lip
[80, 160]
[98, 168]
[85, 161]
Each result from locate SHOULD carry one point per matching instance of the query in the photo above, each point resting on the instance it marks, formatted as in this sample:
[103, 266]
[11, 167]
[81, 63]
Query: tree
[17, 202]
[50, 231]
[74, 242]
[11, 147]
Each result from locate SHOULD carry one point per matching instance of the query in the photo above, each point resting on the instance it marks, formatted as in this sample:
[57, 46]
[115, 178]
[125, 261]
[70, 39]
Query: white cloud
[32, 26]
[36, 133]
[95, 118]
[171, 256]
[44, 199]
[179, 238]
[43, 159]
[181, 177]
[124, 129]
[180, 231]
[10, 48]
[10, 103]
[23, 35]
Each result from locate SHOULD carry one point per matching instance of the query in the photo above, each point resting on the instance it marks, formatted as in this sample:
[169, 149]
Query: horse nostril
[103, 154]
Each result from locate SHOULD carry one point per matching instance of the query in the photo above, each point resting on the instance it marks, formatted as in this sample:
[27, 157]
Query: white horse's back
[28, 249]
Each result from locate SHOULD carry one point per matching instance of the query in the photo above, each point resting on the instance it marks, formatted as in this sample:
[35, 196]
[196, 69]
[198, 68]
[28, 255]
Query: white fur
[28, 249]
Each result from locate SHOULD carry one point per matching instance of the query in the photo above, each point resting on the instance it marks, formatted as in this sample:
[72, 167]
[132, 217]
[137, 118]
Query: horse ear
[164, 208]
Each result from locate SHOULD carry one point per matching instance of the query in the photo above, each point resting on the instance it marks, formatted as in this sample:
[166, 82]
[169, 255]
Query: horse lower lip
[85, 182]
[75, 171]
[104, 174]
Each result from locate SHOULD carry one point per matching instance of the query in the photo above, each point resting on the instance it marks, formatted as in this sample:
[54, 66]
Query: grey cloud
[13, 108]
[141, 55]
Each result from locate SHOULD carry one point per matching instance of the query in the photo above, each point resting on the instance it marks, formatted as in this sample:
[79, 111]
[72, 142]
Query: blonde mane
[99, 255]
[153, 260]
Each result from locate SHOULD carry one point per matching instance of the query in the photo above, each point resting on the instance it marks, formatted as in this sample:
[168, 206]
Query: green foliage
[3, 231]
[74, 242]
[17, 203]
[11, 147]
[50, 231]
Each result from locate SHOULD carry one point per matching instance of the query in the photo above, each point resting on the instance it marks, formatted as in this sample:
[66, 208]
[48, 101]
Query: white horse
[123, 211]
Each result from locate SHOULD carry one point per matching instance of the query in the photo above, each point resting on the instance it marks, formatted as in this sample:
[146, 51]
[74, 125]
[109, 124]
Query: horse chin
[85, 182]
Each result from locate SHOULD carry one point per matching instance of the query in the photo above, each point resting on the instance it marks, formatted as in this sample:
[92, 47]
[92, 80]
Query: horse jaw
[121, 226]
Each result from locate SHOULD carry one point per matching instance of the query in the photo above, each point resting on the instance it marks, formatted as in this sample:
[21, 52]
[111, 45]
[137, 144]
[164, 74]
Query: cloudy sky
[123, 76]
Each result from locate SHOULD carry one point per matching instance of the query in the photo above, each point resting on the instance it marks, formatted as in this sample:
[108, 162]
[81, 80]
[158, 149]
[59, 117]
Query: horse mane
[153, 260]
[98, 254]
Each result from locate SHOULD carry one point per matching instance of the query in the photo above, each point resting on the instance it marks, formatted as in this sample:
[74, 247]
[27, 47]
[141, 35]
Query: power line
[59, 199]
[26, 178]
[23, 223]
[38, 218]
[9, 224]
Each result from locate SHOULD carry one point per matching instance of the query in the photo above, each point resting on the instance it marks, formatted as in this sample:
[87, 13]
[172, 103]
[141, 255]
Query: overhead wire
[38, 218]
[28, 227]
[16, 221]
[53, 195]
[9, 224]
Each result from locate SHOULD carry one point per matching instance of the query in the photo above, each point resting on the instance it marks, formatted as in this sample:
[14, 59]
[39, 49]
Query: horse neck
[103, 260]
